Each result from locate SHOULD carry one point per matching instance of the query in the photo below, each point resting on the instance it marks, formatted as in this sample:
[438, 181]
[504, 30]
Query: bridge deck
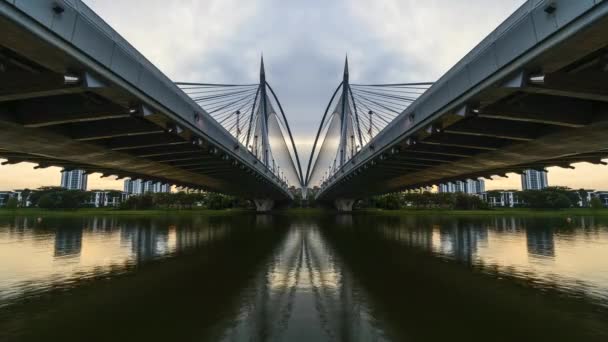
[531, 95]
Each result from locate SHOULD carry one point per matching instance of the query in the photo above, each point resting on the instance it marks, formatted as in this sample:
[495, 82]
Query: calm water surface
[323, 278]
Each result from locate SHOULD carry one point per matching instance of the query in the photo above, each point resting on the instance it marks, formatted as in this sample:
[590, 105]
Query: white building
[103, 198]
[74, 180]
[504, 199]
[534, 180]
[18, 195]
[470, 186]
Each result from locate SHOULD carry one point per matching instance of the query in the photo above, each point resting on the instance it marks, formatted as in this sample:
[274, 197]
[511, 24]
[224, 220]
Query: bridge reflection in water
[274, 278]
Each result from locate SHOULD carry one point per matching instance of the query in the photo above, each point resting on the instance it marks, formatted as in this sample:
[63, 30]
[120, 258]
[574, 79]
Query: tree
[596, 203]
[25, 196]
[559, 201]
[143, 202]
[49, 200]
[12, 203]
[469, 202]
[550, 198]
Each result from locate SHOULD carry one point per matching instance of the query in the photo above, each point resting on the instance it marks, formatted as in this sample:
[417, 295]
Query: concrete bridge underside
[60, 107]
[549, 107]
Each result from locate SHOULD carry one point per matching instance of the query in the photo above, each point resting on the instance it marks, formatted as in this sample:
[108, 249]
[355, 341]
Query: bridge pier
[344, 205]
[263, 205]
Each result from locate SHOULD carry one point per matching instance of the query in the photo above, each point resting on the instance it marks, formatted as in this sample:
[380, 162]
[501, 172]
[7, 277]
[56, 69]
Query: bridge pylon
[253, 114]
[344, 134]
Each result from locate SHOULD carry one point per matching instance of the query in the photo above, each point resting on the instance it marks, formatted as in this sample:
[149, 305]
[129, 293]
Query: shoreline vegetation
[303, 211]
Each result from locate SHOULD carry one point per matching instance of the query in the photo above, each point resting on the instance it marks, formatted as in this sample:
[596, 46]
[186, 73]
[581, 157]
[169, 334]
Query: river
[246, 277]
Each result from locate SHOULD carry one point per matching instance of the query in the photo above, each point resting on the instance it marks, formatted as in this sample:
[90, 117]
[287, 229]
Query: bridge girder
[90, 101]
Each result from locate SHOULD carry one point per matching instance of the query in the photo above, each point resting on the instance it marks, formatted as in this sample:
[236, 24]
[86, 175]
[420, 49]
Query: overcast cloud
[304, 42]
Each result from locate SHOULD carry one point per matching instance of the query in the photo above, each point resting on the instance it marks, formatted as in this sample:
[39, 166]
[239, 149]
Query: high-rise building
[534, 180]
[74, 180]
[447, 188]
[470, 186]
[140, 187]
[160, 187]
[475, 186]
[134, 186]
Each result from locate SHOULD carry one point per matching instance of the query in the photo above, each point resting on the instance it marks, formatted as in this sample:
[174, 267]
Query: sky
[304, 43]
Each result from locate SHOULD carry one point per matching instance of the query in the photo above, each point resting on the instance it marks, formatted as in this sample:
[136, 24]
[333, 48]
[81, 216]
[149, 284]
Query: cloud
[304, 42]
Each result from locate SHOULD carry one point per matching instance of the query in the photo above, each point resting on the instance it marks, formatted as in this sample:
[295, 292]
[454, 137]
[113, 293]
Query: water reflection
[304, 295]
[569, 254]
[90, 247]
[68, 242]
[274, 278]
[540, 243]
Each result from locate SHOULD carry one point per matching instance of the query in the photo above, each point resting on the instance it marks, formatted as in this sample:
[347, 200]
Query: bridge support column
[263, 205]
[344, 205]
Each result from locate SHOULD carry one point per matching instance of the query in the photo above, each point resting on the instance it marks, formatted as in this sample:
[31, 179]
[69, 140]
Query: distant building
[470, 186]
[74, 180]
[503, 199]
[475, 186]
[140, 187]
[603, 196]
[4, 197]
[22, 197]
[534, 180]
[161, 188]
[447, 188]
[105, 198]
[134, 186]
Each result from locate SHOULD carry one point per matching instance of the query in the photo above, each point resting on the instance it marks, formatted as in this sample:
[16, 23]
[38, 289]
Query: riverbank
[492, 212]
[118, 212]
[304, 212]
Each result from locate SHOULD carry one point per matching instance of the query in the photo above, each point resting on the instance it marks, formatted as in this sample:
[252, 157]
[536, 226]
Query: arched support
[344, 205]
[263, 205]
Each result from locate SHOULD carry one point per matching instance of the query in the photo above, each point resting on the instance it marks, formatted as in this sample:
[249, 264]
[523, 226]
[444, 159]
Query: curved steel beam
[314, 147]
[356, 116]
[257, 93]
[293, 144]
[396, 84]
[213, 84]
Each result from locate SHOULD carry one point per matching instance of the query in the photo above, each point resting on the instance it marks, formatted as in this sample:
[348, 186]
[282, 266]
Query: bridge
[75, 94]
[533, 94]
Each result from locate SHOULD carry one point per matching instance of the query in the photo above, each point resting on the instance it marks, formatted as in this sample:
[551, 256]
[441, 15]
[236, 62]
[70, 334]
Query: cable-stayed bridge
[249, 112]
[75, 94]
[533, 94]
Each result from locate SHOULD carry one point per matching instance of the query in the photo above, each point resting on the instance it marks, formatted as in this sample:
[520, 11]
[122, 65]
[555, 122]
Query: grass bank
[491, 212]
[117, 212]
[303, 212]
